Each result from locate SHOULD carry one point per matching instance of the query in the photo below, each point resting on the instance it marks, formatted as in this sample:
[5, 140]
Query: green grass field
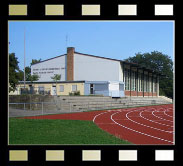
[34, 131]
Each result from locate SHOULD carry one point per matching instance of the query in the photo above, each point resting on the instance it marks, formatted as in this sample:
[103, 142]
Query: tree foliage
[160, 63]
[34, 61]
[16, 75]
[13, 72]
[56, 77]
[28, 76]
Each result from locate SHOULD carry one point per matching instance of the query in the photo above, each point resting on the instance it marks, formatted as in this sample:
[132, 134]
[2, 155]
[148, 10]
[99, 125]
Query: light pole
[24, 59]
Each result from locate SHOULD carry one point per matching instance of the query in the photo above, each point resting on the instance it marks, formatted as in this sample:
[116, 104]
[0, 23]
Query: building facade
[75, 66]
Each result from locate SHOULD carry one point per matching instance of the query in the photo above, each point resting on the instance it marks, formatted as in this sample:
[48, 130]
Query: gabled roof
[49, 59]
[125, 62]
[98, 56]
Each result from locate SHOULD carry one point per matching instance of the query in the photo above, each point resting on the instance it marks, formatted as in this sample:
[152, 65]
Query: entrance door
[54, 91]
[31, 89]
[91, 89]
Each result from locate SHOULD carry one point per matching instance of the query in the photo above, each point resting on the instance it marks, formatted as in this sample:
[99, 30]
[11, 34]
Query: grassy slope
[28, 131]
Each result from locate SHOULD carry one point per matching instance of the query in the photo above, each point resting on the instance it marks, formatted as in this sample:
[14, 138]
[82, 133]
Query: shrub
[76, 93]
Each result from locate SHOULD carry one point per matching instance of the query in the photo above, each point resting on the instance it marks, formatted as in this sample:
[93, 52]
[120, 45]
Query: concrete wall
[121, 72]
[48, 68]
[95, 69]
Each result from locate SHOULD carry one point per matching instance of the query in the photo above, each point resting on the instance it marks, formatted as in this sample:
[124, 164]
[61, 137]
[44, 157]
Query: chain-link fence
[64, 106]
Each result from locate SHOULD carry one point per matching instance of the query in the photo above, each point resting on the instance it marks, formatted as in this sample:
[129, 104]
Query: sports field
[148, 125]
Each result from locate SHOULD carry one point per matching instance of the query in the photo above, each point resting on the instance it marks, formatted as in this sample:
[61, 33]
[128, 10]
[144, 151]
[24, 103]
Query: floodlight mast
[24, 59]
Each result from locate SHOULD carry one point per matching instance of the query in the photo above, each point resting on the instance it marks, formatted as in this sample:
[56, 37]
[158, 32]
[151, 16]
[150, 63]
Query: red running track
[150, 125]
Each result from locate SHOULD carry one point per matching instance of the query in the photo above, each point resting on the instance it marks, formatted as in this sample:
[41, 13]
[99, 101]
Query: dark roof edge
[126, 62]
[98, 56]
[49, 59]
[48, 82]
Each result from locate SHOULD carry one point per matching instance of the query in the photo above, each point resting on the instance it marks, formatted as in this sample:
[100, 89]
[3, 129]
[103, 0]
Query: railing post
[24, 106]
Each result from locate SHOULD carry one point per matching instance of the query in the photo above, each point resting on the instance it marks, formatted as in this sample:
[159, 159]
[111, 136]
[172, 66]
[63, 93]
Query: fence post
[24, 106]
[42, 107]
[70, 107]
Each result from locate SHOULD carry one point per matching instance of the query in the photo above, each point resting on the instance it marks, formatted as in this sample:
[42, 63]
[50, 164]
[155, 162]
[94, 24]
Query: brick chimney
[70, 63]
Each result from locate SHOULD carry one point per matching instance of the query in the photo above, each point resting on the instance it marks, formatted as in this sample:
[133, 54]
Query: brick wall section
[147, 94]
[127, 93]
[70, 63]
[140, 93]
[134, 93]
[155, 94]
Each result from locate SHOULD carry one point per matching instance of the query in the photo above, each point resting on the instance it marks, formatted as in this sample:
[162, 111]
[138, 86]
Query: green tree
[34, 61]
[160, 63]
[13, 72]
[28, 76]
[56, 78]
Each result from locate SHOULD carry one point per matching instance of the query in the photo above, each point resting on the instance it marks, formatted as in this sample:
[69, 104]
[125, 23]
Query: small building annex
[91, 74]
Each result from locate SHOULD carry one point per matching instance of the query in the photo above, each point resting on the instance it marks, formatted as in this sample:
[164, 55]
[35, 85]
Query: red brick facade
[135, 93]
[70, 64]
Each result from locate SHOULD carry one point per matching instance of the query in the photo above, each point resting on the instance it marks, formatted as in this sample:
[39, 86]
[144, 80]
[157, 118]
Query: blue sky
[112, 39]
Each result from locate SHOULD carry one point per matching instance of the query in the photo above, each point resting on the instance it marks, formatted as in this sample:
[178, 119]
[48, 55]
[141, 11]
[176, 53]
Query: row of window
[61, 88]
[148, 84]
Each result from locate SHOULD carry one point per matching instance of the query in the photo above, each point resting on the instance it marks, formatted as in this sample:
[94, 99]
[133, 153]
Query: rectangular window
[154, 85]
[41, 88]
[133, 81]
[74, 88]
[142, 82]
[150, 84]
[145, 83]
[127, 79]
[61, 88]
[139, 80]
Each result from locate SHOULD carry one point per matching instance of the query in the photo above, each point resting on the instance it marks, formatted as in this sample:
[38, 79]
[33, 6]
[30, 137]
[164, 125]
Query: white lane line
[167, 114]
[153, 120]
[146, 125]
[138, 131]
[98, 115]
[160, 117]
